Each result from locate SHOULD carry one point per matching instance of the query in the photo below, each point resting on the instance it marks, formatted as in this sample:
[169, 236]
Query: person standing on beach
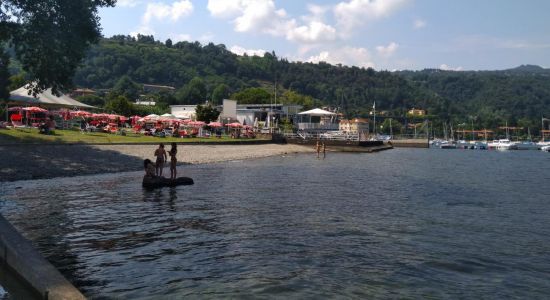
[173, 160]
[324, 150]
[160, 153]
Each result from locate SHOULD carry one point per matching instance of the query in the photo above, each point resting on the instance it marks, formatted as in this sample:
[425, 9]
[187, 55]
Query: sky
[382, 34]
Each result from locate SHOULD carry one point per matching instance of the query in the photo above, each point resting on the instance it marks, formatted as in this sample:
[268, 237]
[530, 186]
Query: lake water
[412, 223]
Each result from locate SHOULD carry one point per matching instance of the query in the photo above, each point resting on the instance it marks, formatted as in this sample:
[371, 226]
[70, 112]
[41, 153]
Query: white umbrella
[151, 117]
[168, 116]
[317, 112]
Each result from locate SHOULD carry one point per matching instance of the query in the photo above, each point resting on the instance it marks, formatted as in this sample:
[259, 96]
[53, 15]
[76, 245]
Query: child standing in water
[161, 158]
[173, 160]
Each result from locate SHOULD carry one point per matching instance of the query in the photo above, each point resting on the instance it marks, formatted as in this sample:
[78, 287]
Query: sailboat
[503, 144]
[448, 144]
[529, 144]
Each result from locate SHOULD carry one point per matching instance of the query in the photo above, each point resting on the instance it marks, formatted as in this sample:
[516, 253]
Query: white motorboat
[527, 145]
[447, 145]
[502, 144]
[545, 148]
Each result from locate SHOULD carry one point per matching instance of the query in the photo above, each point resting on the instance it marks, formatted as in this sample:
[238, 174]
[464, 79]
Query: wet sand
[26, 162]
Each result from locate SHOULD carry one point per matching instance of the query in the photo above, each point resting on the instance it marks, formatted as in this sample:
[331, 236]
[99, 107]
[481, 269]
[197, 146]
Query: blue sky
[383, 34]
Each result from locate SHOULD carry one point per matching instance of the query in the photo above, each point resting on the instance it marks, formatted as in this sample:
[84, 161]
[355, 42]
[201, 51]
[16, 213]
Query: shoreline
[29, 162]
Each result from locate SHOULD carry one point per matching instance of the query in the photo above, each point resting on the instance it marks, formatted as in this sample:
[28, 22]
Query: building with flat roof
[265, 115]
[183, 111]
[416, 112]
[357, 125]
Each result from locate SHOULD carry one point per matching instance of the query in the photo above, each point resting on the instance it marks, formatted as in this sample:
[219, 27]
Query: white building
[183, 111]
[266, 114]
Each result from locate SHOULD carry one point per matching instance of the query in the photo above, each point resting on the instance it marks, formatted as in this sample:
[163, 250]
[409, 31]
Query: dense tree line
[211, 72]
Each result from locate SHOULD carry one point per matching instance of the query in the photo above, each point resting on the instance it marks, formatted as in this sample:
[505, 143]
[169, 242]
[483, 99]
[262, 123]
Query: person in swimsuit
[160, 154]
[149, 168]
[318, 148]
[173, 160]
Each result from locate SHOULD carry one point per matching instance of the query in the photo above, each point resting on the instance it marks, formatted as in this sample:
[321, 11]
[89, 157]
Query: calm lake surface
[412, 223]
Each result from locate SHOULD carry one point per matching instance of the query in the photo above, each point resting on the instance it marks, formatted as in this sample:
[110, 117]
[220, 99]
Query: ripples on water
[401, 223]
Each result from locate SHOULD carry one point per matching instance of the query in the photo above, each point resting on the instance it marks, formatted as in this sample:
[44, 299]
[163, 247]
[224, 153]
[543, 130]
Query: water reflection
[405, 223]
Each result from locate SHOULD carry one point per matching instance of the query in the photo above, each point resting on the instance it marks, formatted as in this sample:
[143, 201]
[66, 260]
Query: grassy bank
[31, 135]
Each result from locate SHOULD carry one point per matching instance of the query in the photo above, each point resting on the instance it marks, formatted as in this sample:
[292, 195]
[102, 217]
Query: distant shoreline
[28, 162]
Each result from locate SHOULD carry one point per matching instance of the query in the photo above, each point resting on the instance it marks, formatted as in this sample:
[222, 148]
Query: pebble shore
[27, 162]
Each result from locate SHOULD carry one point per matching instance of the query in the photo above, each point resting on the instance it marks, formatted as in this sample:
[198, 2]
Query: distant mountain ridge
[518, 96]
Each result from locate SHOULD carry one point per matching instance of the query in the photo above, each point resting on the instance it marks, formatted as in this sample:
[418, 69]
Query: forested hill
[517, 96]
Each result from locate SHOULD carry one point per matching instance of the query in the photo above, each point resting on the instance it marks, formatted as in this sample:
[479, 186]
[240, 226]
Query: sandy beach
[26, 162]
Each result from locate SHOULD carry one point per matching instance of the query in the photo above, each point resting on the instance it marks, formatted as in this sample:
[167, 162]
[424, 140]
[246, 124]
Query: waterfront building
[183, 111]
[258, 115]
[318, 120]
[416, 112]
[357, 125]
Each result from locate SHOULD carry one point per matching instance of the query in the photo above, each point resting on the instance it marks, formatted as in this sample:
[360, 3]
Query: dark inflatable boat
[157, 182]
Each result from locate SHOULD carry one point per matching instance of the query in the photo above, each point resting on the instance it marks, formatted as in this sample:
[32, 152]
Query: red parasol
[80, 113]
[35, 109]
[215, 124]
[235, 125]
[197, 123]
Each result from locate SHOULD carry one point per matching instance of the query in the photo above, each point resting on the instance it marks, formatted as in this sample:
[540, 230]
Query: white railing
[317, 126]
[323, 136]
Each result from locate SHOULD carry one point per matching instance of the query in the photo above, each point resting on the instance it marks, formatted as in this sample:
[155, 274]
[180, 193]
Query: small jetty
[340, 145]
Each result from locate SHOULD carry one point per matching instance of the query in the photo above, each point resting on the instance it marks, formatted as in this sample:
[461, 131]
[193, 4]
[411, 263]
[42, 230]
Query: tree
[168, 43]
[119, 105]
[127, 87]
[220, 92]
[50, 38]
[206, 113]
[193, 93]
[16, 81]
[93, 100]
[252, 96]
[4, 76]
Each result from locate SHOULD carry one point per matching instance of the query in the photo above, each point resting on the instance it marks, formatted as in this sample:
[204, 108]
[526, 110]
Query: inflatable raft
[157, 182]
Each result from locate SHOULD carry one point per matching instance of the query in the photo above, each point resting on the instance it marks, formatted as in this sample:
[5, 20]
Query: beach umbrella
[197, 123]
[152, 117]
[15, 108]
[80, 113]
[215, 124]
[35, 109]
[235, 125]
[170, 116]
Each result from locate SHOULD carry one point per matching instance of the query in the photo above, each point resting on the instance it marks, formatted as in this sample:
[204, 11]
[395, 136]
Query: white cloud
[251, 52]
[419, 23]
[225, 8]
[161, 11]
[314, 32]
[262, 16]
[387, 51]
[127, 3]
[347, 56]
[355, 13]
[446, 67]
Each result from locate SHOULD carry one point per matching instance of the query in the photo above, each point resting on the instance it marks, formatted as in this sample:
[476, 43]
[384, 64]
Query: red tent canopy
[35, 109]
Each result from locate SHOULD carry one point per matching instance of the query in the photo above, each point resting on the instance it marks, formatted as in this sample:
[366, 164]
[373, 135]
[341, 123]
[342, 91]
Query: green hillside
[518, 96]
